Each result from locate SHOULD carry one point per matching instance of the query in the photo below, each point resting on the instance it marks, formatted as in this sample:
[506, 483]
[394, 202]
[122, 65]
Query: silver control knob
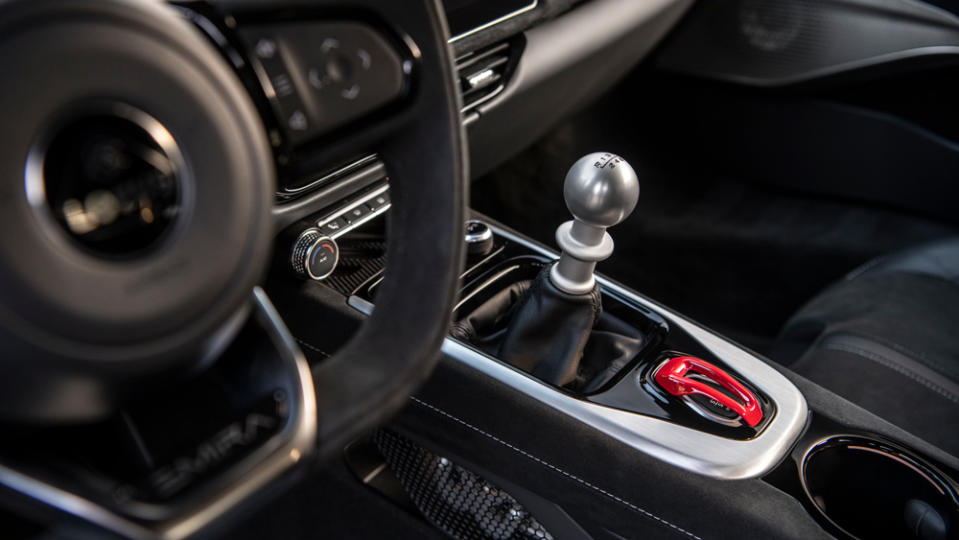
[478, 237]
[314, 255]
[601, 190]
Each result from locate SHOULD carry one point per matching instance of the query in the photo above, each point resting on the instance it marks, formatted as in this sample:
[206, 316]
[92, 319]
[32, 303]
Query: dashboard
[509, 56]
[469, 16]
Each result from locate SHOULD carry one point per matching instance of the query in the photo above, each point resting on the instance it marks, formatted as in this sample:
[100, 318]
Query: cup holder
[872, 489]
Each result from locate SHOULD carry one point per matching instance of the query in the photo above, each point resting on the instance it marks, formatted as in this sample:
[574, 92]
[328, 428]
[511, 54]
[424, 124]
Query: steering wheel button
[265, 48]
[328, 68]
[282, 85]
[298, 121]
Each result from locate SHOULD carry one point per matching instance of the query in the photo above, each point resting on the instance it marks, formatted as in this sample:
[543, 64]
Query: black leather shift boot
[548, 330]
[560, 338]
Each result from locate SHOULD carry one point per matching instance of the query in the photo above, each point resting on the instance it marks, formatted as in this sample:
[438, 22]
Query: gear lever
[601, 190]
[550, 325]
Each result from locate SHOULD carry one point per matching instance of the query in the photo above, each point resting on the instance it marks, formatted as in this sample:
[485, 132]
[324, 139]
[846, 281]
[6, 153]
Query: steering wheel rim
[397, 347]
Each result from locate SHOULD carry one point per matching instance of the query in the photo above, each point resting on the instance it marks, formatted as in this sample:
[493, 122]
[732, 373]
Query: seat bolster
[887, 338]
[937, 259]
[892, 385]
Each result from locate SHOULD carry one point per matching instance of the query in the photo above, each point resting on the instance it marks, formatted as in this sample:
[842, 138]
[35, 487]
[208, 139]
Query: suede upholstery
[885, 338]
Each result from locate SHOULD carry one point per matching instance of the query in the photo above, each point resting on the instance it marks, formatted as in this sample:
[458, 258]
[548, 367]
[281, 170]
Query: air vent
[483, 73]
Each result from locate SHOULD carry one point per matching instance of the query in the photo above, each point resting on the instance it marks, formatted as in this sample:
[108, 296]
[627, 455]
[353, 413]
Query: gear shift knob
[601, 190]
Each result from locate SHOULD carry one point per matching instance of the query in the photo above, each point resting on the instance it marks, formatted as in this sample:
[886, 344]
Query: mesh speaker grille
[455, 500]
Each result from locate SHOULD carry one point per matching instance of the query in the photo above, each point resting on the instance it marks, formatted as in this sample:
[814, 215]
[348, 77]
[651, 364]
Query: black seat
[887, 338]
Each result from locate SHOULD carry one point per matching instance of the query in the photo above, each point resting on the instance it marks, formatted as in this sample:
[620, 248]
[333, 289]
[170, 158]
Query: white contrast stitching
[557, 469]
[313, 348]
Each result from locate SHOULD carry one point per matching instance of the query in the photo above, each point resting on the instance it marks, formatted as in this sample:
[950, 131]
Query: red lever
[672, 377]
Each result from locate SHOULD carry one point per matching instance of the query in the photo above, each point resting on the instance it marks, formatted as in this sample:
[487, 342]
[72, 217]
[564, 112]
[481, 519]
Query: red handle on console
[672, 377]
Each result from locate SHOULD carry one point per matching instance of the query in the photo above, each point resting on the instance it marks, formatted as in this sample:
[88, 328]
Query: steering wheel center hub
[113, 181]
[136, 184]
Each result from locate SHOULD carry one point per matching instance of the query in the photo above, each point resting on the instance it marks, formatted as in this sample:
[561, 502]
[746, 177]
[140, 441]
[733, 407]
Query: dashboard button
[355, 214]
[379, 201]
[314, 255]
[479, 238]
[334, 226]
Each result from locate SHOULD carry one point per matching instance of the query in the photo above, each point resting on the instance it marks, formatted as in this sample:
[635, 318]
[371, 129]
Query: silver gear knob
[601, 190]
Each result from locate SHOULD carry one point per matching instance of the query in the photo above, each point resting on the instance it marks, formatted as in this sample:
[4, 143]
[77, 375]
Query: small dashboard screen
[467, 15]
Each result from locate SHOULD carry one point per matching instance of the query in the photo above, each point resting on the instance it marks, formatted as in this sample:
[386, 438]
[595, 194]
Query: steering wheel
[101, 299]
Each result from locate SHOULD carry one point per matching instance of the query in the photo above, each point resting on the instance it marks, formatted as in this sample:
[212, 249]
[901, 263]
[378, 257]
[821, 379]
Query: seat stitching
[557, 469]
[895, 367]
[929, 362]
[313, 348]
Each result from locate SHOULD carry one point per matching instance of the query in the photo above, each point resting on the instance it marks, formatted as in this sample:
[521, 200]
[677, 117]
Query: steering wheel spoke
[176, 461]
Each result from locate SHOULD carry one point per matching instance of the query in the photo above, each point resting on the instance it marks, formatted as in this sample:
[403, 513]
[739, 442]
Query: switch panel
[322, 75]
[355, 212]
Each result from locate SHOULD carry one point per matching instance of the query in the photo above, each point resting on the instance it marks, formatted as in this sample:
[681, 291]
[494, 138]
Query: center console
[622, 398]
[634, 370]
[655, 413]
